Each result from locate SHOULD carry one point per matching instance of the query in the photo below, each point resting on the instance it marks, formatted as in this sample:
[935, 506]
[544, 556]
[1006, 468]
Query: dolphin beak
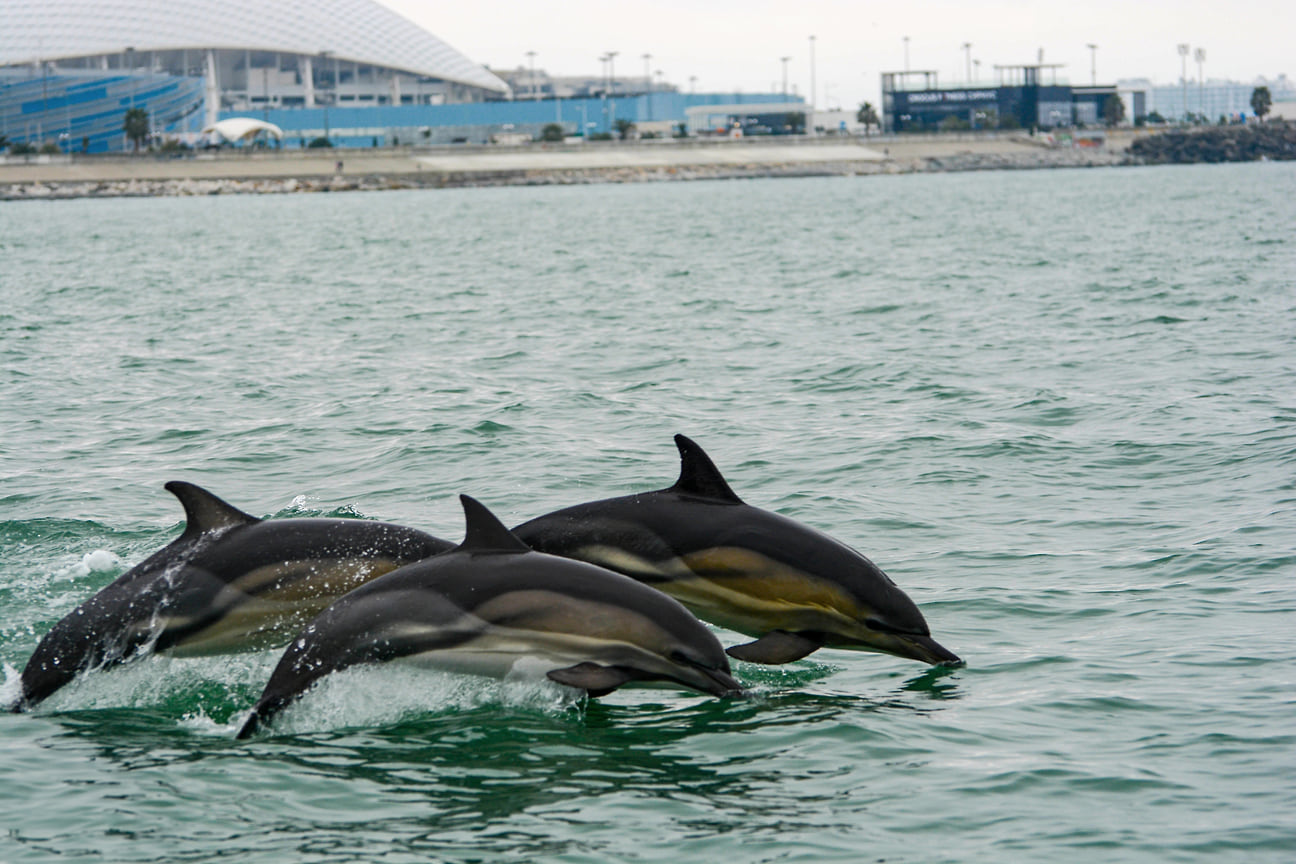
[926, 650]
[717, 682]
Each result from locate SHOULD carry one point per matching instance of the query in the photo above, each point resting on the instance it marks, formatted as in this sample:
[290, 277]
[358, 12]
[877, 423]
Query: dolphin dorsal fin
[483, 532]
[204, 512]
[699, 475]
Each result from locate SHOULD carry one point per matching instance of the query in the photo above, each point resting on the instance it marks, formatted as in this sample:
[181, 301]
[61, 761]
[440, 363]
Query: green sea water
[1058, 408]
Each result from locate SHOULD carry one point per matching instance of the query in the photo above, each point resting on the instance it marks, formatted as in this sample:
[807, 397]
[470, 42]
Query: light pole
[1093, 63]
[784, 61]
[906, 47]
[1183, 76]
[324, 55]
[611, 55]
[812, 77]
[647, 58]
[967, 61]
[1200, 56]
[535, 94]
[692, 84]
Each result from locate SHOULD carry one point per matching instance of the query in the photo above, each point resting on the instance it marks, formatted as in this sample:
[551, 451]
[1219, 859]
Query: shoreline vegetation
[283, 172]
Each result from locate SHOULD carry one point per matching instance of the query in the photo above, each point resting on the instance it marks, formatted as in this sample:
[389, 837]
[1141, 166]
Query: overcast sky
[737, 44]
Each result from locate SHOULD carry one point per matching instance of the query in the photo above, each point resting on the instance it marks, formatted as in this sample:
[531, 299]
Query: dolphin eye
[683, 659]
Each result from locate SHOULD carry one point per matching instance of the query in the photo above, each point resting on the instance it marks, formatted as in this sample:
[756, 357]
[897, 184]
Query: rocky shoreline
[1250, 143]
[138, 188]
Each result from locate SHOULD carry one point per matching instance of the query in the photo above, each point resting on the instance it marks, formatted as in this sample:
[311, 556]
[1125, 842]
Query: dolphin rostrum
[229, 582]
[742, 568]
[492, 602]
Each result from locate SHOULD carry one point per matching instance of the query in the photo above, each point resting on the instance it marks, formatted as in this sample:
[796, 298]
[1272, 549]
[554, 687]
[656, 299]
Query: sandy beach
[232, 172]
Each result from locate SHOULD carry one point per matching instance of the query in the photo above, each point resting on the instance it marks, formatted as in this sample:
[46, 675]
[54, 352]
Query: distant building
[69, 69]
[1210, 99]
[1021, 97]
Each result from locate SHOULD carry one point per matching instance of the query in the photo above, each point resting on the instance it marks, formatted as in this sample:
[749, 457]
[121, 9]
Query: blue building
[349, 71]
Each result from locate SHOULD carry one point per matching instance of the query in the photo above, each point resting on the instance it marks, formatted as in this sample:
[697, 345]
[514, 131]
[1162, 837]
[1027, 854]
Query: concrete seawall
[535, 164]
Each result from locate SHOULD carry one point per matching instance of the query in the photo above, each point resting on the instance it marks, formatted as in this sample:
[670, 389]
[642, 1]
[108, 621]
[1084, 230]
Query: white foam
[383, 695]
[11, 689]
[100, 561]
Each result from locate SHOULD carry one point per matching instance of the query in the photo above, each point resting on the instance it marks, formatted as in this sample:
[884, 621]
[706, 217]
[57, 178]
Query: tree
[136, 126]
[867, 116]
[1113, 110]
[624, 127]
[1261, 101]
[552, 132]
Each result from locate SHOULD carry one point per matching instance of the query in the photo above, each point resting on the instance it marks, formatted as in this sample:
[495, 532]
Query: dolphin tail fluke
[775, 647]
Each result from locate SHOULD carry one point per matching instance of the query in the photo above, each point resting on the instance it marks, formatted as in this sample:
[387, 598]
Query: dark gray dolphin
[741, 567]
[492, 602]
[230, 582]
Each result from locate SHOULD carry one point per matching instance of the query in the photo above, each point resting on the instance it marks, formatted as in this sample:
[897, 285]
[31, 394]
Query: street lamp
[784, 61]
[906, 47]
[1200, 56]
[967, 60]
[535, 94]
[812, 77]
[1093, 63]
[1183, 75]
[647, 58]
[611, 58]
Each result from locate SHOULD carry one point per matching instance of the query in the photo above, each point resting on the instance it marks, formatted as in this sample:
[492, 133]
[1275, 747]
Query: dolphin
[493, 601]
[742, 568]
[229, 582]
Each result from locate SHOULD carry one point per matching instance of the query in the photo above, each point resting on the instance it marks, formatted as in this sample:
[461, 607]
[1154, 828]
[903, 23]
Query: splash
[372, 696]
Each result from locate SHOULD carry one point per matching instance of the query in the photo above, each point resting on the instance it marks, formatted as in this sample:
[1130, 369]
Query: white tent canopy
[242, 129]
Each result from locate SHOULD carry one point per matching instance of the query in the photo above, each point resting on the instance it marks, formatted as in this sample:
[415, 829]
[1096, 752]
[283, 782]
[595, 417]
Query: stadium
[69, 69]
[348, 72]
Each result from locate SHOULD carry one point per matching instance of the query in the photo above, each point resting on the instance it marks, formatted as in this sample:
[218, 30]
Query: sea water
[1057, 407]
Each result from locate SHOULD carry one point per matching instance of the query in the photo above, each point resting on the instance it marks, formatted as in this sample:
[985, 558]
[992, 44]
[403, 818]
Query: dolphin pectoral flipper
[775, 647]
[595, 679]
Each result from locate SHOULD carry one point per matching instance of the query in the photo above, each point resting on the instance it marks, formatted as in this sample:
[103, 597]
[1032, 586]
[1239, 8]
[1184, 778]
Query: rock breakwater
[1248, 143]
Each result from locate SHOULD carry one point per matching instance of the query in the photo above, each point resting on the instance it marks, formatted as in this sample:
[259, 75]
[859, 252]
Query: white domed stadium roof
[358, 30]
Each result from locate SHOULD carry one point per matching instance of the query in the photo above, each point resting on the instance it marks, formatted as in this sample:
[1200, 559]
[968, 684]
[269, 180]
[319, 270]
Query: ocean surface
[1057, 407]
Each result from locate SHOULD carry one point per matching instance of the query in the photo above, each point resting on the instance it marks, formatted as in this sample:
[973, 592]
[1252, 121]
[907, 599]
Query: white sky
[736, 44]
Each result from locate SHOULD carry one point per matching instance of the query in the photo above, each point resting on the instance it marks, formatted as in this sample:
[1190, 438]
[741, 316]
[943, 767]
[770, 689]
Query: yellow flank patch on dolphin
[618, 559]
[293, 581]
[752, 593]
[552, 612]
[770, 581]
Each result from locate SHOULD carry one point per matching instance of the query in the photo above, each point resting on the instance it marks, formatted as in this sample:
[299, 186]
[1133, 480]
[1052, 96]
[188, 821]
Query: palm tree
[136, 126]
[868, 116]
[1113, 110]
[1261, 101]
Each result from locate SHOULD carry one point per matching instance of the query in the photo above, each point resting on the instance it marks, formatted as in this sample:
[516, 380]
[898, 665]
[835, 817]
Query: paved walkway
[647, 156]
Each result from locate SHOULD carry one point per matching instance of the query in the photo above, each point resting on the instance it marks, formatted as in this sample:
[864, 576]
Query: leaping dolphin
[743, 568]
[229, 582]
[493, 601]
